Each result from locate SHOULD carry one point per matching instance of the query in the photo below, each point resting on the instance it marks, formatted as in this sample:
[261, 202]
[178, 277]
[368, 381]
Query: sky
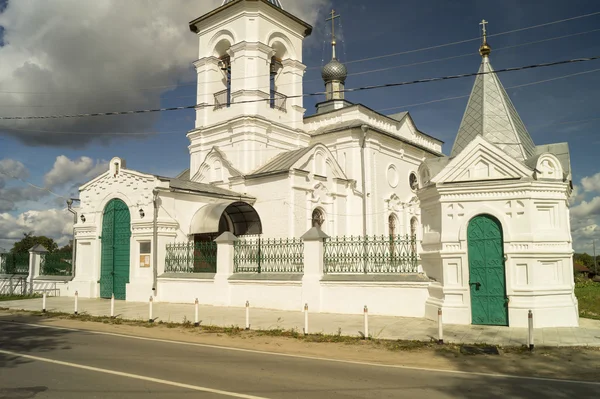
[77, 56]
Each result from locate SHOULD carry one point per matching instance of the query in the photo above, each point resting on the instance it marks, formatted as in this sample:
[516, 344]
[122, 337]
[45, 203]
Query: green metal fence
[269, 255]
[14, 263]
[190, 257]
[372, 254]
[57, 264]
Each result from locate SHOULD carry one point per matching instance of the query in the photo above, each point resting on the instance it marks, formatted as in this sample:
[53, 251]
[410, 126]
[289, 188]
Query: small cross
[484, 23]
[332, 19]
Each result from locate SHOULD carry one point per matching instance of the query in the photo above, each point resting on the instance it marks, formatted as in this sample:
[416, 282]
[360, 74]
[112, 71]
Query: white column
[225, 252]
[35, 260]
[313, 268]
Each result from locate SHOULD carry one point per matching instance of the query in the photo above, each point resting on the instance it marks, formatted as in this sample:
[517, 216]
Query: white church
[340, 209]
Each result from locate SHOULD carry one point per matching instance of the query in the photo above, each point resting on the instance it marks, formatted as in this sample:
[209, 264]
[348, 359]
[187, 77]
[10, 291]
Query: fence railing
[190, 257]
[14, 263]
[268, 255]
[222, 99]
[373, 254]
[56, 264]
[278, 101]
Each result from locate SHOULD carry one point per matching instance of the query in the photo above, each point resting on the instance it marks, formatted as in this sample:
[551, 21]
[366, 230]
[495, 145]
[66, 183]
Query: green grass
[5, 298]
[588, 295]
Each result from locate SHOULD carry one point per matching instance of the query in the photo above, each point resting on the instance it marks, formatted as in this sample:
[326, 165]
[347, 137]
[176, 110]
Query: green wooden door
[116, 234]
[487, 277]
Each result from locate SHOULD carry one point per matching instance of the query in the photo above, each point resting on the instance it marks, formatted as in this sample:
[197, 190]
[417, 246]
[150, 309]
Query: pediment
[482, 160]
[124, 177]
[320, 161]
[215, 168]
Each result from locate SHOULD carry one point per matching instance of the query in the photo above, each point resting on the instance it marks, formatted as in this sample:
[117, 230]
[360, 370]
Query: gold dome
[485, 49]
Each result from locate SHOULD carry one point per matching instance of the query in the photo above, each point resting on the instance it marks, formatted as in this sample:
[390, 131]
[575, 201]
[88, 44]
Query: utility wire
[506, 88]
[470, 54]
[353, 61]
[33, 185]
[364, 88]
[154, 132]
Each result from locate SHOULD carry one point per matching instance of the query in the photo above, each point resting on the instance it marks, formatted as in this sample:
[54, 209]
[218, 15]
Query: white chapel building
[485, 232]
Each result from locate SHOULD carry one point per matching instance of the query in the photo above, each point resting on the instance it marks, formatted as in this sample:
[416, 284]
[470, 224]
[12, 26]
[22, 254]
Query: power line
[506, 88]
[154, 132]
[474, 39]
[364, 88]
[352, 61]
[351, 74]
[33, 185]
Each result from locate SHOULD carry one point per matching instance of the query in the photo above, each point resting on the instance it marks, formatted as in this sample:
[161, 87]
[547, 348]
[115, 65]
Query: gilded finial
[485, 50]
[333, 41]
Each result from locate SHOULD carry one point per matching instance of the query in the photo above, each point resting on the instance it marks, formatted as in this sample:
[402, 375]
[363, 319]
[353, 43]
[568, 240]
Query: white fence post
[35, 260]
[225, 268]
[440, 327]
[196, 317]
[530, 332]
[76, 301]
[150, 319]
[306, 319]
[247, 315]
[313, 267]
[44, 302]
[112, 306]
[366, 312]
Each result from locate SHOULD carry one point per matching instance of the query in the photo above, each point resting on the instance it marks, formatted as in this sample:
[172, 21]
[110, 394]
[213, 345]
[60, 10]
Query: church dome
[334, 70]
[276, 3]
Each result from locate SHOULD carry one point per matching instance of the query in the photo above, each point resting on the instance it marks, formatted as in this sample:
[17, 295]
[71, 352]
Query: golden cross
[332, 19]
[483, 24]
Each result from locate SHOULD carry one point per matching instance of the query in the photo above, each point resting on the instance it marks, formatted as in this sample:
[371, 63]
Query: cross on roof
[332, 19]
[483, 24]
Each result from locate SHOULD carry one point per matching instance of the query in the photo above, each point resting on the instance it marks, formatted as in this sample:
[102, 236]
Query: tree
[67, 248]
[29, 241]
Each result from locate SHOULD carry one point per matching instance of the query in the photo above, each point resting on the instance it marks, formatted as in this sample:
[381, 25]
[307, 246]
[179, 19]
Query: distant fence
[371, 254]
[190, 257]
[268, 255]
[14, 264]
[57, 264]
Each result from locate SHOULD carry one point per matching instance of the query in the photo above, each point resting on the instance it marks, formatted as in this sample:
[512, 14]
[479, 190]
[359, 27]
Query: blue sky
[555, 111]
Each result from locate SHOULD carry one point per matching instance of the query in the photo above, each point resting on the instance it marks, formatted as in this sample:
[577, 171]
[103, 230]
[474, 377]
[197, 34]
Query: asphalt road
[37, 362]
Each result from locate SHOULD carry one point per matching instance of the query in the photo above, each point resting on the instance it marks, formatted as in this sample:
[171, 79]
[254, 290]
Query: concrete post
[225, 252]
[35, 261]
[313, 267]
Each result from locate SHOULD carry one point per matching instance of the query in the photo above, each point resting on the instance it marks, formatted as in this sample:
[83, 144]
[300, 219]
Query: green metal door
[487, 277]
[116, 233]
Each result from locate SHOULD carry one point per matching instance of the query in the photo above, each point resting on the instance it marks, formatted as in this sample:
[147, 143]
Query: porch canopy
[239, 218]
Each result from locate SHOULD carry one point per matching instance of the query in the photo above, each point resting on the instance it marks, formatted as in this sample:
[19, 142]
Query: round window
[413, 181]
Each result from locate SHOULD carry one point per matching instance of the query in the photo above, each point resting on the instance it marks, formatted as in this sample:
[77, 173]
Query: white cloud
[73, 56]
[54, 223]
[591, 183]
[76, 171]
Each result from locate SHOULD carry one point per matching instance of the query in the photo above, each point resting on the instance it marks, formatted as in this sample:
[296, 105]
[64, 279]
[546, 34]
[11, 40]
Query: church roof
[282, 162]
[180, 183]
[276, 3]
[491, 114]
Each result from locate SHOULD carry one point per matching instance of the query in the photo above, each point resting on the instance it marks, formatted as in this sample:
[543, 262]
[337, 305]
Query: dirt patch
[575, 363]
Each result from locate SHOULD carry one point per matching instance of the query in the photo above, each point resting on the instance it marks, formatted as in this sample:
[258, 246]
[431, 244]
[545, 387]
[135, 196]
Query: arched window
[413, 233]
[393, 230]
[276, 98]
[223, 98]
[318, 218]
[393, 225]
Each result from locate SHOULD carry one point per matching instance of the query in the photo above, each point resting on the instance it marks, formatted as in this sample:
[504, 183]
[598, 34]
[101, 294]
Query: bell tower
[250, 76]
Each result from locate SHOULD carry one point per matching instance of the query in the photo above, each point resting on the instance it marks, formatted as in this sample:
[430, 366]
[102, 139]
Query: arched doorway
[487, 277]
[116, 234]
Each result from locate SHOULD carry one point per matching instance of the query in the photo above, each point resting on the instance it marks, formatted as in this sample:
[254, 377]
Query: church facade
[485, 231]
